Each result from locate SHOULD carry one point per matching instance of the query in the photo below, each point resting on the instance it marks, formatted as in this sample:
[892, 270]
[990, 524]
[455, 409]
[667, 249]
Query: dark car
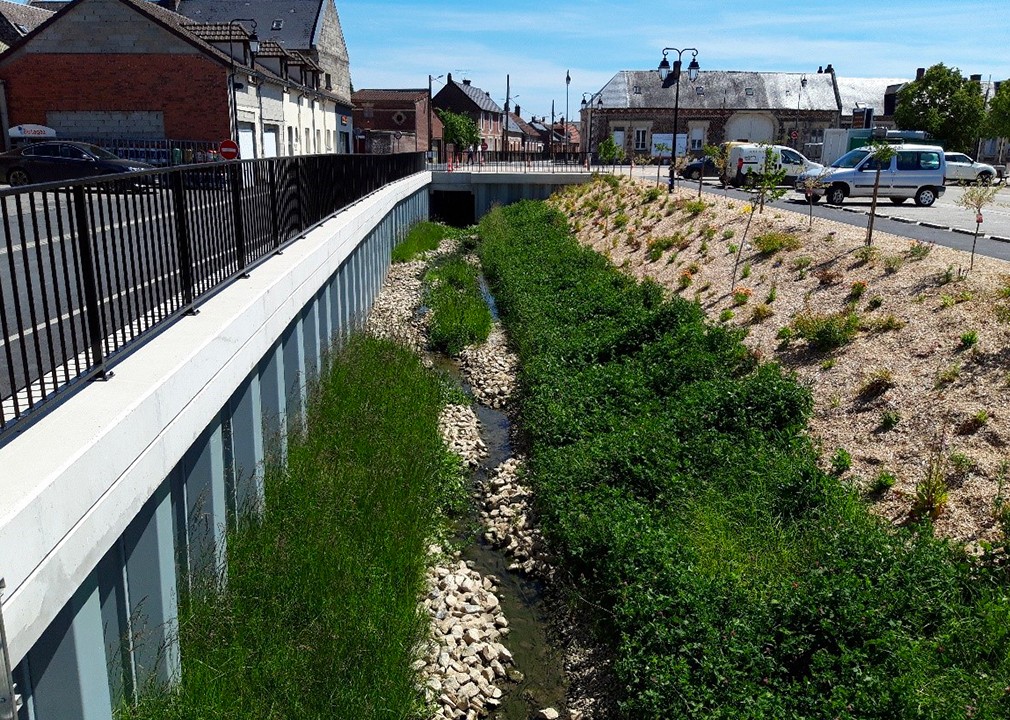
[695, 169]
[53, 161]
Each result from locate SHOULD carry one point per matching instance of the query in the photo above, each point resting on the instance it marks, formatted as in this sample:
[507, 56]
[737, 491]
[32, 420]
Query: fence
[160, 153]
[91, 268]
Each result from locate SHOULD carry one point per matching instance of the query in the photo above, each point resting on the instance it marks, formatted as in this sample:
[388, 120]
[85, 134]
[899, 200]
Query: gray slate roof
[480, 98]
[638, 89]
[299, 17]
[868, 92]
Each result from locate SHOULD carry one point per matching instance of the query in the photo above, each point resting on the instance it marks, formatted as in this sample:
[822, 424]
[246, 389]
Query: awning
[32, 131]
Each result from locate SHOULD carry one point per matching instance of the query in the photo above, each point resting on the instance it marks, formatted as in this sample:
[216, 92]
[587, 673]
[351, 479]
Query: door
[619, 140]
[751, 127]
[794, 165]
[866, 177]
[246, 141]
[270, 137]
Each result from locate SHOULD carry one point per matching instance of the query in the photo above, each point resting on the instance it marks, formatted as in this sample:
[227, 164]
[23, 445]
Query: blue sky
[396, 44]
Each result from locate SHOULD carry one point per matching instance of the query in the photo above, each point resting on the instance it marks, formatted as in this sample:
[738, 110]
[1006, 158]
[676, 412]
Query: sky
[398, 43]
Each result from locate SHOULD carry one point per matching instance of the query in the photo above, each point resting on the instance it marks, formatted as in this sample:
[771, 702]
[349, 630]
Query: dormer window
[699, 90]
[637, 90]
[277, 25]
[749, 92]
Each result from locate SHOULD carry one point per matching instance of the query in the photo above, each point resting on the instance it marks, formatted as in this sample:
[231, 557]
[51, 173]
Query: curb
[997, 238]
[935, 226]
[962, 231]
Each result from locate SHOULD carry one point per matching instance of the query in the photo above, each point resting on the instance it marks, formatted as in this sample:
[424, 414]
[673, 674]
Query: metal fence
[160, 153]
[88, 269]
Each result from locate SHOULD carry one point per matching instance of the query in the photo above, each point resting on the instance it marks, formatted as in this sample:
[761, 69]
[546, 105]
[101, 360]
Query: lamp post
[254, 47]
[666, 71]
[430, 78]
[588, 106]
[568, 81]
[799, 97]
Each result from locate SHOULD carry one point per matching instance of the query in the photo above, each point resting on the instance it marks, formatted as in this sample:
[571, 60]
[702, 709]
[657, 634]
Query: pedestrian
[469, 155]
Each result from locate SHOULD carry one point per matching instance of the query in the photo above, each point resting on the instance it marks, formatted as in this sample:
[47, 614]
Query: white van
[749, 159]
[916, 171]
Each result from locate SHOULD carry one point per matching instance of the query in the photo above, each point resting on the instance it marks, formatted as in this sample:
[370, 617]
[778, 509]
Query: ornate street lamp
[666, 71]
[799, 97]
[588, 106]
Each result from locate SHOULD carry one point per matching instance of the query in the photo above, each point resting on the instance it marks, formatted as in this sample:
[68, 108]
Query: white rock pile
[461, 433]
[507, 523]
[465, 658]
[491, 369]
[392, 315]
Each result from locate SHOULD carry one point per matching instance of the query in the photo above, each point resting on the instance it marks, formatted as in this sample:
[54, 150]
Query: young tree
[662, 148]
[460, 130]
[609, 151]
[764, 186]
[976, 198]
[882, 154]
[720, 158]
[944, 104]
[812, 184]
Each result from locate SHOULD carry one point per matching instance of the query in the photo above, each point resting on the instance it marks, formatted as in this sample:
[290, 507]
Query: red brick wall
[191, 91]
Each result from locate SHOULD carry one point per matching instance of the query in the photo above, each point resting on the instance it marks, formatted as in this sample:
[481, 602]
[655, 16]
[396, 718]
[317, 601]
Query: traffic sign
[978, 218]
[483, 145]
[795, 134]
[229, 150]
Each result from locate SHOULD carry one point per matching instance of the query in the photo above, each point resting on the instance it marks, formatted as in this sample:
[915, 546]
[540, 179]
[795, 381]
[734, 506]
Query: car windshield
[851, 158]
[100, 153]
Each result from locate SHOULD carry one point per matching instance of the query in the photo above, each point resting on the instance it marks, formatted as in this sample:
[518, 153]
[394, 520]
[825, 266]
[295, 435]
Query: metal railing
[89, 269]
[516, 161]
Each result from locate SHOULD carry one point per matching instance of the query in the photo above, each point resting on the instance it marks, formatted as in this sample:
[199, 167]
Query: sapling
[882, 154]
[662, 148]
[720, 158]
[811, 184]
[766, 187]
[975, 198]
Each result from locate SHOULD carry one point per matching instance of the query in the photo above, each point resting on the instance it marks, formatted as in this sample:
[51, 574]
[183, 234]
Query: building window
[319, 139]
[399, 117]
[307, 148]
[640, 137]
[697, 138]
[699, 90]
[291, 141]
[637, 90]
[368, 112]
[277, 25]
[749, 92]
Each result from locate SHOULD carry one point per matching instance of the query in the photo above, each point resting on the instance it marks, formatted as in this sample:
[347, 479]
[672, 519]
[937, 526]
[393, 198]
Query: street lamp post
[430, 78]
[799, 97]
[568, 81]
[588, 106]
[254, 47]
[666, 71]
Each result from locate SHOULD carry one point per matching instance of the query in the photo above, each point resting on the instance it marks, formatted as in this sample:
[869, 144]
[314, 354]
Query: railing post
[89, 276]
[182, 237]
[299, 166]
[235, 180]
[275, 211]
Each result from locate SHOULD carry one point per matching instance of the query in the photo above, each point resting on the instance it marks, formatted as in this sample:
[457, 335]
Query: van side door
[866, 177]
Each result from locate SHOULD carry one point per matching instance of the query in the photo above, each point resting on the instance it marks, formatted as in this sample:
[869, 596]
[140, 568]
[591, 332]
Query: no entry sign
[229, 150]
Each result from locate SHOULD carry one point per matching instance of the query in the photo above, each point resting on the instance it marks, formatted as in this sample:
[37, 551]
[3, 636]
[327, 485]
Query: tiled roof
[269, 48]
[217, 32]
[379, 95]
[524, 126]
[480, 98]
[24, 17]
[867, 92]
[296, 18]
[50, 5]
[740, 90]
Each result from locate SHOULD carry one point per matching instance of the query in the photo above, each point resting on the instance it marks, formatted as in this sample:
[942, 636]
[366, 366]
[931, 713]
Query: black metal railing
[90, 268]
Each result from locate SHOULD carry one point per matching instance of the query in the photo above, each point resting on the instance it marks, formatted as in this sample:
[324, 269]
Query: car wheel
[836, 195]
[984, 178]
[925, 197]
[814, 199]
[898, 201]
[696, 174]
[17, 177]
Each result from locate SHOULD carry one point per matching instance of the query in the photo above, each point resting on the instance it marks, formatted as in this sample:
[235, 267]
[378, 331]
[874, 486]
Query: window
[399, 117]
[699, 90]
[75, 153]
[307, 147]
[47, 150]
[329, 82]
[697, 138]
[637, 90]
[640, 137]
[749, 92]
[291, 141]
[929, 160]
[277, 25]
[368, 112]
[791, 158]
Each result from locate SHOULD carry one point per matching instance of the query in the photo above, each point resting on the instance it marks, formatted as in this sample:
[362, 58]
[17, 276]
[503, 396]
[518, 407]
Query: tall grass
[460, 317]
[421, 238]
[319, 616]
[678, 487]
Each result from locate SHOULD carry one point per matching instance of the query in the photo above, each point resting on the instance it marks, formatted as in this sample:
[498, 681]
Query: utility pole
[568, 81]
[505, 118]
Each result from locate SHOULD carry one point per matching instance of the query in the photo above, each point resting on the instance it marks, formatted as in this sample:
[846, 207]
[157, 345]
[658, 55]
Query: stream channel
[522, 598]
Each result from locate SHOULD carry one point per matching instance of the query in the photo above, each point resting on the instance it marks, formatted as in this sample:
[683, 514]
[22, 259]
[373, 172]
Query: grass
[460, 316]
[421, 238]
[774, 241]
[826, 331]
[678, 488]
[319, 618]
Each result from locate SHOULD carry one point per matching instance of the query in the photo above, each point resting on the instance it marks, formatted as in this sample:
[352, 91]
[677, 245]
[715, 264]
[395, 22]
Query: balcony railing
[91, 268]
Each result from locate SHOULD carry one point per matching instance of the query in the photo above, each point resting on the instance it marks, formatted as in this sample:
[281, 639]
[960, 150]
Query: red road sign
[483, 145]
[978, 218]
[794, 134]
[229, 150]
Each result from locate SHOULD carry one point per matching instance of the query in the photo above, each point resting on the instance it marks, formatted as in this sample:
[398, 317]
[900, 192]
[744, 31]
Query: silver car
[961, 168]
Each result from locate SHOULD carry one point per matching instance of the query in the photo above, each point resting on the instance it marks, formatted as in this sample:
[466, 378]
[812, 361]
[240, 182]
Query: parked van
[749, 159]
[916, 171]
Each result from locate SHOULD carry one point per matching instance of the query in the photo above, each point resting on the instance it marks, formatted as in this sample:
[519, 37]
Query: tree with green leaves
[945, 104]
[998, 118]
[661, 148]
[609, 151]
[460, 130]
[720, 158]
[882, 154]
[764, 186]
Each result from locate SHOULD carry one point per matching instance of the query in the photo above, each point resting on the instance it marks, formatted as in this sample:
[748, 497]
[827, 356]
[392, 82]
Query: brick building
[391, 121]
[467, 99]
[17, 20]
[115, 69]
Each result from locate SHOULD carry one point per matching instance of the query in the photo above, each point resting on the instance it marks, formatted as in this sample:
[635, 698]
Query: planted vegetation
[318, 617]
[421, 238]
[460, 317]
[677, 487]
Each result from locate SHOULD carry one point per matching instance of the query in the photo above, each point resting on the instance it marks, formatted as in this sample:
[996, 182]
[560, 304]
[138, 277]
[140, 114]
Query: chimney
[829, 69]
[518, 113]
[820, 69]
[448, 78]
[920, 73]
[466, 82]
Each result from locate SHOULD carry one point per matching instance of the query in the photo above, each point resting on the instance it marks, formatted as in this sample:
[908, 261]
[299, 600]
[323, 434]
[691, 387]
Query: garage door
[270, 133]
[246, 141]
[750, 126]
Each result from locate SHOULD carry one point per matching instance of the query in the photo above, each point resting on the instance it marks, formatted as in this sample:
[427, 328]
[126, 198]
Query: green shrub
[893, 263]
[773, 241]
[969, 339]
[857, 289]
[918, 250]
[889, 419]
[694, 207]
[826, 331]
[841, 461]
[883, 481]
[760, 313]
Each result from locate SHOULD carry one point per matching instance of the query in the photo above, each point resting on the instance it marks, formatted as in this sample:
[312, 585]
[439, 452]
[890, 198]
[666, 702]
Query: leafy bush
[889, 419]
[918, 250]
[841, 461]
[883, 481]
[969, 339]
[826, 331]
[694, 207]
[857, 289]
[773, 241]
[876, 383]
